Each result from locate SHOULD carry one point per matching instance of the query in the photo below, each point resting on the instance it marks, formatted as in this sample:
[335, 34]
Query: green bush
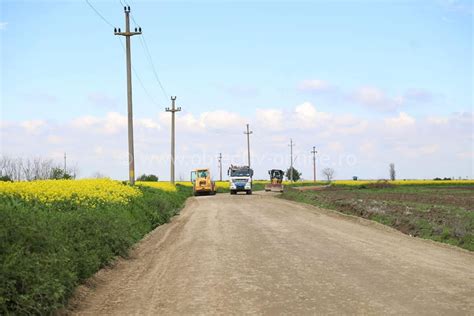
[148, 177]
[47, 252]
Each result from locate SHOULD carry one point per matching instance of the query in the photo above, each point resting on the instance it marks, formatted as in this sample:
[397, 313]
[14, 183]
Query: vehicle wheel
[232, 192]
[249, 192]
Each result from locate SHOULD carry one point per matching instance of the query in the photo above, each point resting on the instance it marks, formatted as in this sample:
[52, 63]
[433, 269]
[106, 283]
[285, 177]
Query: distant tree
[328, 173]
[99, 175]
[5, 178]
[296, 174]
[59, 173]
[149, 177]
[392, 171]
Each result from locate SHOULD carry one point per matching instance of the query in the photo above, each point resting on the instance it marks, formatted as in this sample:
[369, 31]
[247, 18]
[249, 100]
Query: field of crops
[437, 210]
[395, 182]
[222, 186]
[56, 233]
[87, 193]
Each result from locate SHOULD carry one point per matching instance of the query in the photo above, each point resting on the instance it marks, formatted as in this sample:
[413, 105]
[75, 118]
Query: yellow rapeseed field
[165, 186]
[86, 192]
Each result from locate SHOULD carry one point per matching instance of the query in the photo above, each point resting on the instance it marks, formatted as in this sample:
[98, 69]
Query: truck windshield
[240, 173]
[202, 173]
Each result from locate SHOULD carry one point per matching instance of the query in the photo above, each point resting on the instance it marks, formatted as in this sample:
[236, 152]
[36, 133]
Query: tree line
[20, 169]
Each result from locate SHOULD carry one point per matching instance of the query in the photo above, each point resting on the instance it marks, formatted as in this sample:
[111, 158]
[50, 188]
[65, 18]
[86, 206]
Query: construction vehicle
[276, 179]
[202, 182]
[240, 179]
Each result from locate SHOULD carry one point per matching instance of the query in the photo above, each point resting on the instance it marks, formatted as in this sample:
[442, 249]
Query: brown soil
[257, 254]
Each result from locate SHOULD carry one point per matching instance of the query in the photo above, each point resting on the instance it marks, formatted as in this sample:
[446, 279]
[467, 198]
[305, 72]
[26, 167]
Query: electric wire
[123, 47]
[140, 80]
[148, 54]
[98, 13]
[150, 59]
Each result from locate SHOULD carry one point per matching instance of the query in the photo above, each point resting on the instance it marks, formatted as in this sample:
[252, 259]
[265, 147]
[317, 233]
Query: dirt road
[262, 255]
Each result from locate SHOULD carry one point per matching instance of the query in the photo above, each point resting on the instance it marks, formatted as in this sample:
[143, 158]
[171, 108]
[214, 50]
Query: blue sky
[368, 61]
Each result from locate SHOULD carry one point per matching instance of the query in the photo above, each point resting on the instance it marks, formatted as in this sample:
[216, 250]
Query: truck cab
[240, 179]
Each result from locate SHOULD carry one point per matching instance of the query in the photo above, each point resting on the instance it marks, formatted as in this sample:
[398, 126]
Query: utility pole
[291, 158]
[64, 163]
[314, 152]
[220, 166]
[173, 110]
[248, 143]
[128, 34]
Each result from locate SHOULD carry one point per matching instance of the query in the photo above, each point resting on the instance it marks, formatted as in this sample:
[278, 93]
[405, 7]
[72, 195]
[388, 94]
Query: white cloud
[221, 119]
[336, 146]
[429, 149]
[315, 86]
[367, 148]
[99, 143]
[54, 139]
[270, 118]
[112, 123]
[148, 123]
[437, 120]
[401, 121]
[3, 26]
[85, 121]
[33, 125]
[376, 98]
[307, 115]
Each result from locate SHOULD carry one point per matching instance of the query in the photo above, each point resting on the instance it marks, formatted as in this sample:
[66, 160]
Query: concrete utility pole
[173, 110]
[291, 158]
[128, 34]
[248, 143]
[314, 152]
[220, 166]
[64, 163]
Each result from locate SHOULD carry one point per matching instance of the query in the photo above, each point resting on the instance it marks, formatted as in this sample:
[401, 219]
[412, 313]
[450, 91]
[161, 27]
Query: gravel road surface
[263, 255]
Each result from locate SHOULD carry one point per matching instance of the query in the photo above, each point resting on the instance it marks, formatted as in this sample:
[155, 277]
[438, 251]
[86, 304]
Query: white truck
[240, 179]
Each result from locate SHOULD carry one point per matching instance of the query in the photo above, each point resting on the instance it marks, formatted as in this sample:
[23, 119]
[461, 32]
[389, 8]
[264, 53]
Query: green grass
[47, 252]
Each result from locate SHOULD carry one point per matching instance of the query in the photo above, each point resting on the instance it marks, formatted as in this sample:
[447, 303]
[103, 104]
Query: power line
[99, 14]
[150, 59]
[144, 44]
[140, 80]
[123, 47]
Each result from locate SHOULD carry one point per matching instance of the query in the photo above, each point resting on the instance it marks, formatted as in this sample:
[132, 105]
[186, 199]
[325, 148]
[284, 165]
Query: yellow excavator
[202, 182]
[276, 179]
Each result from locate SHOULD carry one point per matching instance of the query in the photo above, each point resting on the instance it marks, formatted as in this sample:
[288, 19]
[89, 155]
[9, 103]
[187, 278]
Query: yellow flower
[86, 192]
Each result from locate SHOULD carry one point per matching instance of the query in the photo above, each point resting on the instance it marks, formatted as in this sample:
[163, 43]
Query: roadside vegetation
[439, 210]
[54, 234]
